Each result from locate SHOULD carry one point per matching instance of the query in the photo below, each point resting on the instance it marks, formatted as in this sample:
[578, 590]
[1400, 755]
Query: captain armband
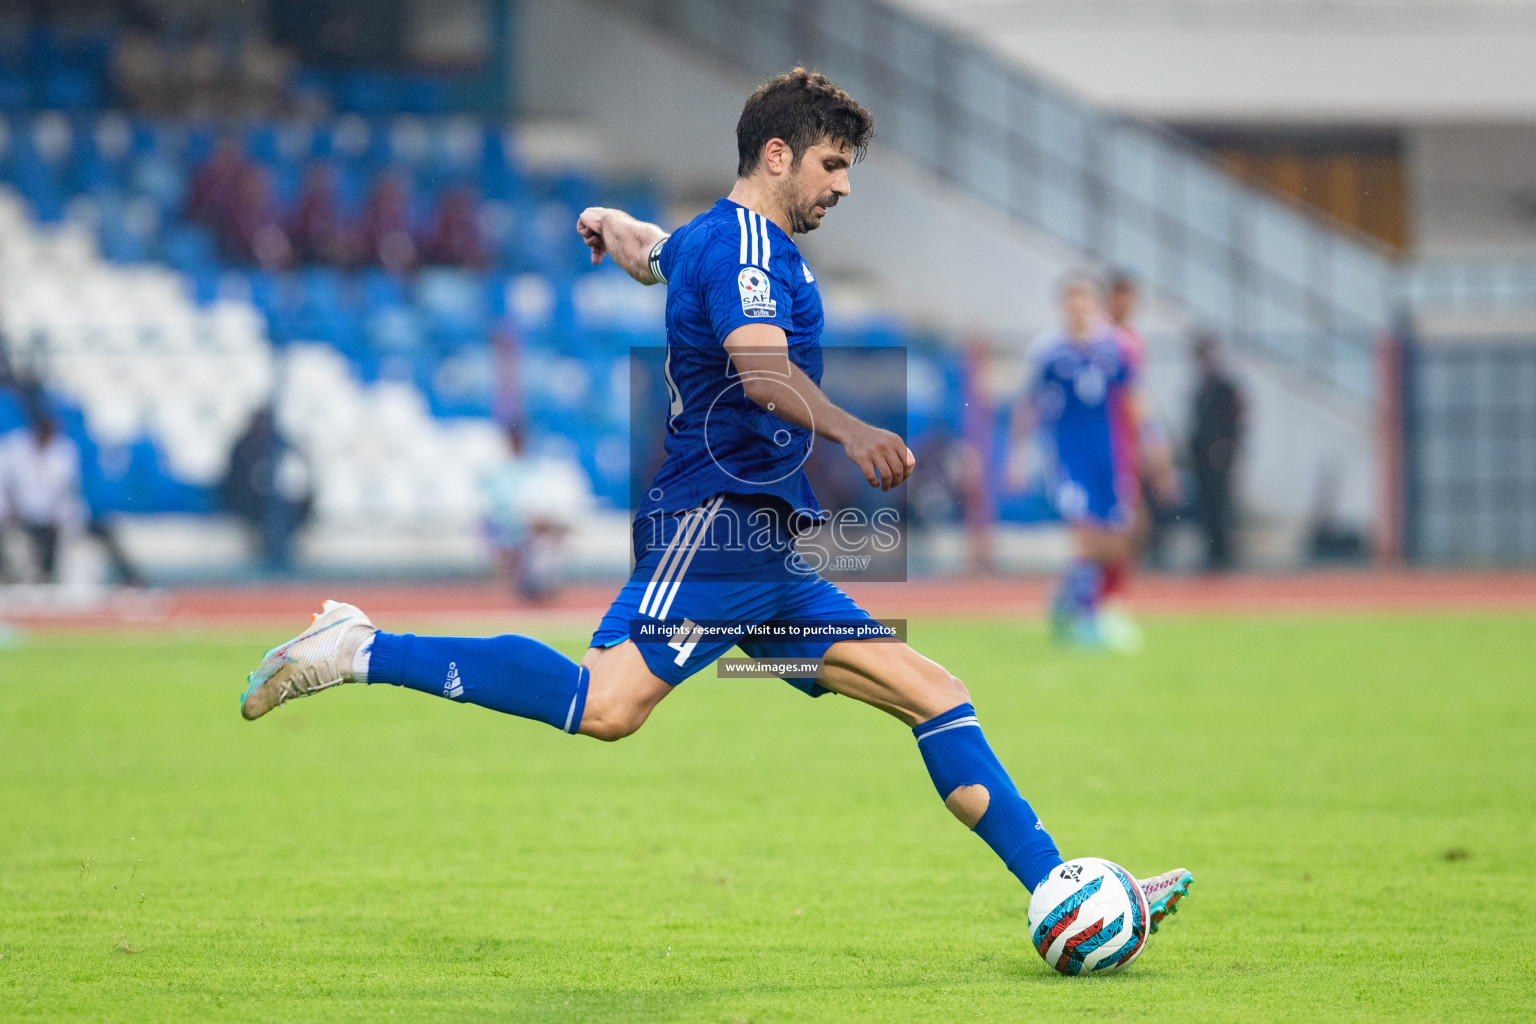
[654, 260]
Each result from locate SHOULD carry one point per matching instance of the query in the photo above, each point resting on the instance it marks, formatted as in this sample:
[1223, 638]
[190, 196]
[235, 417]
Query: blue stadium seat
[190, 249]
[453, 301]
[322, 288]
[15, 94]
[423, 94]
[207, 284]
[381, 290]
[70, 87]
[394, 329]
[261, 142]
[367, 92]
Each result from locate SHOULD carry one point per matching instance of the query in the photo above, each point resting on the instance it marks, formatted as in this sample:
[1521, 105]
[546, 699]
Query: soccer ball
[1088, 917]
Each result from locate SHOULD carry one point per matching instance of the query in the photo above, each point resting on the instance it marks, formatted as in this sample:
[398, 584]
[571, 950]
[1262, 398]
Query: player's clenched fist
[883, 457]
[590, 226]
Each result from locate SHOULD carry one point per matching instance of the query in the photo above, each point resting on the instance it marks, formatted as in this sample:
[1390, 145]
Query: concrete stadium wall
[1369, 61]
[1474, 188]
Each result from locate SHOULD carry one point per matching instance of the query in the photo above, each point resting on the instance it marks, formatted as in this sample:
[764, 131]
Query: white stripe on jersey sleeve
[767, 246]
[741, 218]
[754, 220]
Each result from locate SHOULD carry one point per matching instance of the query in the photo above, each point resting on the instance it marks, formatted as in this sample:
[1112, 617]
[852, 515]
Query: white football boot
[317, 659]
[1164, 892]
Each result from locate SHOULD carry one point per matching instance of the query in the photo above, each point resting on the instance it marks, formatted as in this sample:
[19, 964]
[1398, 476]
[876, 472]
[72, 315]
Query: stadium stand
[384, 271]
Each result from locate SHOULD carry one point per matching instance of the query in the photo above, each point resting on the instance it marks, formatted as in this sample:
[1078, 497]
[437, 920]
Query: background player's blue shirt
[1071, 386]
[726, 268]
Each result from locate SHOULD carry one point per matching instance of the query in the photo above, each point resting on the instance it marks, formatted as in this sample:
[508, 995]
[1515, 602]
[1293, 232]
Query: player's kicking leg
[968, 776]
[612, 692]
[607, 696]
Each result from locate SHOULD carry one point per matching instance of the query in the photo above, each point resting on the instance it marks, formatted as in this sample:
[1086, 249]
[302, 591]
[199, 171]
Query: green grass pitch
[1355, 795]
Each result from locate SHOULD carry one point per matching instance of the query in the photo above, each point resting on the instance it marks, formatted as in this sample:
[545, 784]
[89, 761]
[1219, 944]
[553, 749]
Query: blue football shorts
[705, 577]
[1086, 492]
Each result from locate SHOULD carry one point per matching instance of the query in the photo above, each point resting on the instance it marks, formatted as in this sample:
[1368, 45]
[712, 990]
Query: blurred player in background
[532, 503]
[744, 361]
[1080, 381]
[1150, 481]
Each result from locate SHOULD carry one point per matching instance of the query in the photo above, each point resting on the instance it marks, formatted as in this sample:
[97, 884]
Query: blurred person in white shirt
[532, 503]
[40, 478]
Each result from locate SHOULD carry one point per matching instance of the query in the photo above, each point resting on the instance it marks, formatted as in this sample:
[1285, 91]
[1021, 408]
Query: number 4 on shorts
[685, 640]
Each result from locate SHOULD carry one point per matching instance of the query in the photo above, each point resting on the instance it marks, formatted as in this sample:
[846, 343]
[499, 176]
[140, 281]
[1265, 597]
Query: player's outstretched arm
[760, 353]
[1021, 423]
[1157, 453]
[617, 234]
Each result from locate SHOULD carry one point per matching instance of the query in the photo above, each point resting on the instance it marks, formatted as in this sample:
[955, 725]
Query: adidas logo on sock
[453, 688]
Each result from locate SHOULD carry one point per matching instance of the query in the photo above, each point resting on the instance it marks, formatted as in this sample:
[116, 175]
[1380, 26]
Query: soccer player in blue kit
[1078, 379]
[743, 363]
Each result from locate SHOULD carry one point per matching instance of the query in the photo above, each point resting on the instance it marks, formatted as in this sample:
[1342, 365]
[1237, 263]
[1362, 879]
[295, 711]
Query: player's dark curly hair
[802, 108]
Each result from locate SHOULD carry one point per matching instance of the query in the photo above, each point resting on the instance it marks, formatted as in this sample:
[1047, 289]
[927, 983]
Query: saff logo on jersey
[755, 298]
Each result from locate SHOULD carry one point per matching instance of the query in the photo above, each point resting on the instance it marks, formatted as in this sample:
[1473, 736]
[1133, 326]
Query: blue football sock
[1082, 585]
[516, 675]
[957, 754]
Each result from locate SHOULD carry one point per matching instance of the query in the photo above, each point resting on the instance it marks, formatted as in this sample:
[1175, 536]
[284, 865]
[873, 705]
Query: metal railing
[1471, 284]
[1260, 270]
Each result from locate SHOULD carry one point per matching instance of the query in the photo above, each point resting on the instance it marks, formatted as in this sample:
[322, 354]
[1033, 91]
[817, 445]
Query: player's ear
[777, 156]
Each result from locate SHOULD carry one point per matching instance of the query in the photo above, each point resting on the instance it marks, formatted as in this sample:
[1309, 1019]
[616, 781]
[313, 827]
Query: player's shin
[1082, 586]
[957, 754]
[516, 675]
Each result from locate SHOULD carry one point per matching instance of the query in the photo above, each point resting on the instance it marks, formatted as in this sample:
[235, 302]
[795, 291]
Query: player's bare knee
[957, 691]
[943, 692]
[611, 720]
[969, 803]
[610, 728]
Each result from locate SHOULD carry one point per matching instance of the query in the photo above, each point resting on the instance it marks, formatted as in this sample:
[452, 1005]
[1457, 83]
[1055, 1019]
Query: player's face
[813, 187]
[1079, 306]
[1122, 304]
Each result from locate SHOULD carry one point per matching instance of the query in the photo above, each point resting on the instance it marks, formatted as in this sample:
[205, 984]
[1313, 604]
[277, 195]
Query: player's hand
[1166, 483]
[881, 456]
[1016, 470]
[590, 226]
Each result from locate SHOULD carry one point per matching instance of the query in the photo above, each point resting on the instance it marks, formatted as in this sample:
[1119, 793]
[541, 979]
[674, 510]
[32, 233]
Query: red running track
[417, 605]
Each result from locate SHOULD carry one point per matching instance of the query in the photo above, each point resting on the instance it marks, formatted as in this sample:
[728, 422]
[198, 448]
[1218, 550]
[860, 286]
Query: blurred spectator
[455, 238]
[40, 476]
[531, 505]
[385, 230]
[253, 232]
[139, 72]
[267, 487]
[202, 76]
[262, 71]
[216, 184]
[948, 482]
[1216, 434]
[215, 74]
[315, 228]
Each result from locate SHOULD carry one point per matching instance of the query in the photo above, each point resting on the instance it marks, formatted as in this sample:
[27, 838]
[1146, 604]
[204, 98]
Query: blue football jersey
[726, 268]
[1071, 388]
